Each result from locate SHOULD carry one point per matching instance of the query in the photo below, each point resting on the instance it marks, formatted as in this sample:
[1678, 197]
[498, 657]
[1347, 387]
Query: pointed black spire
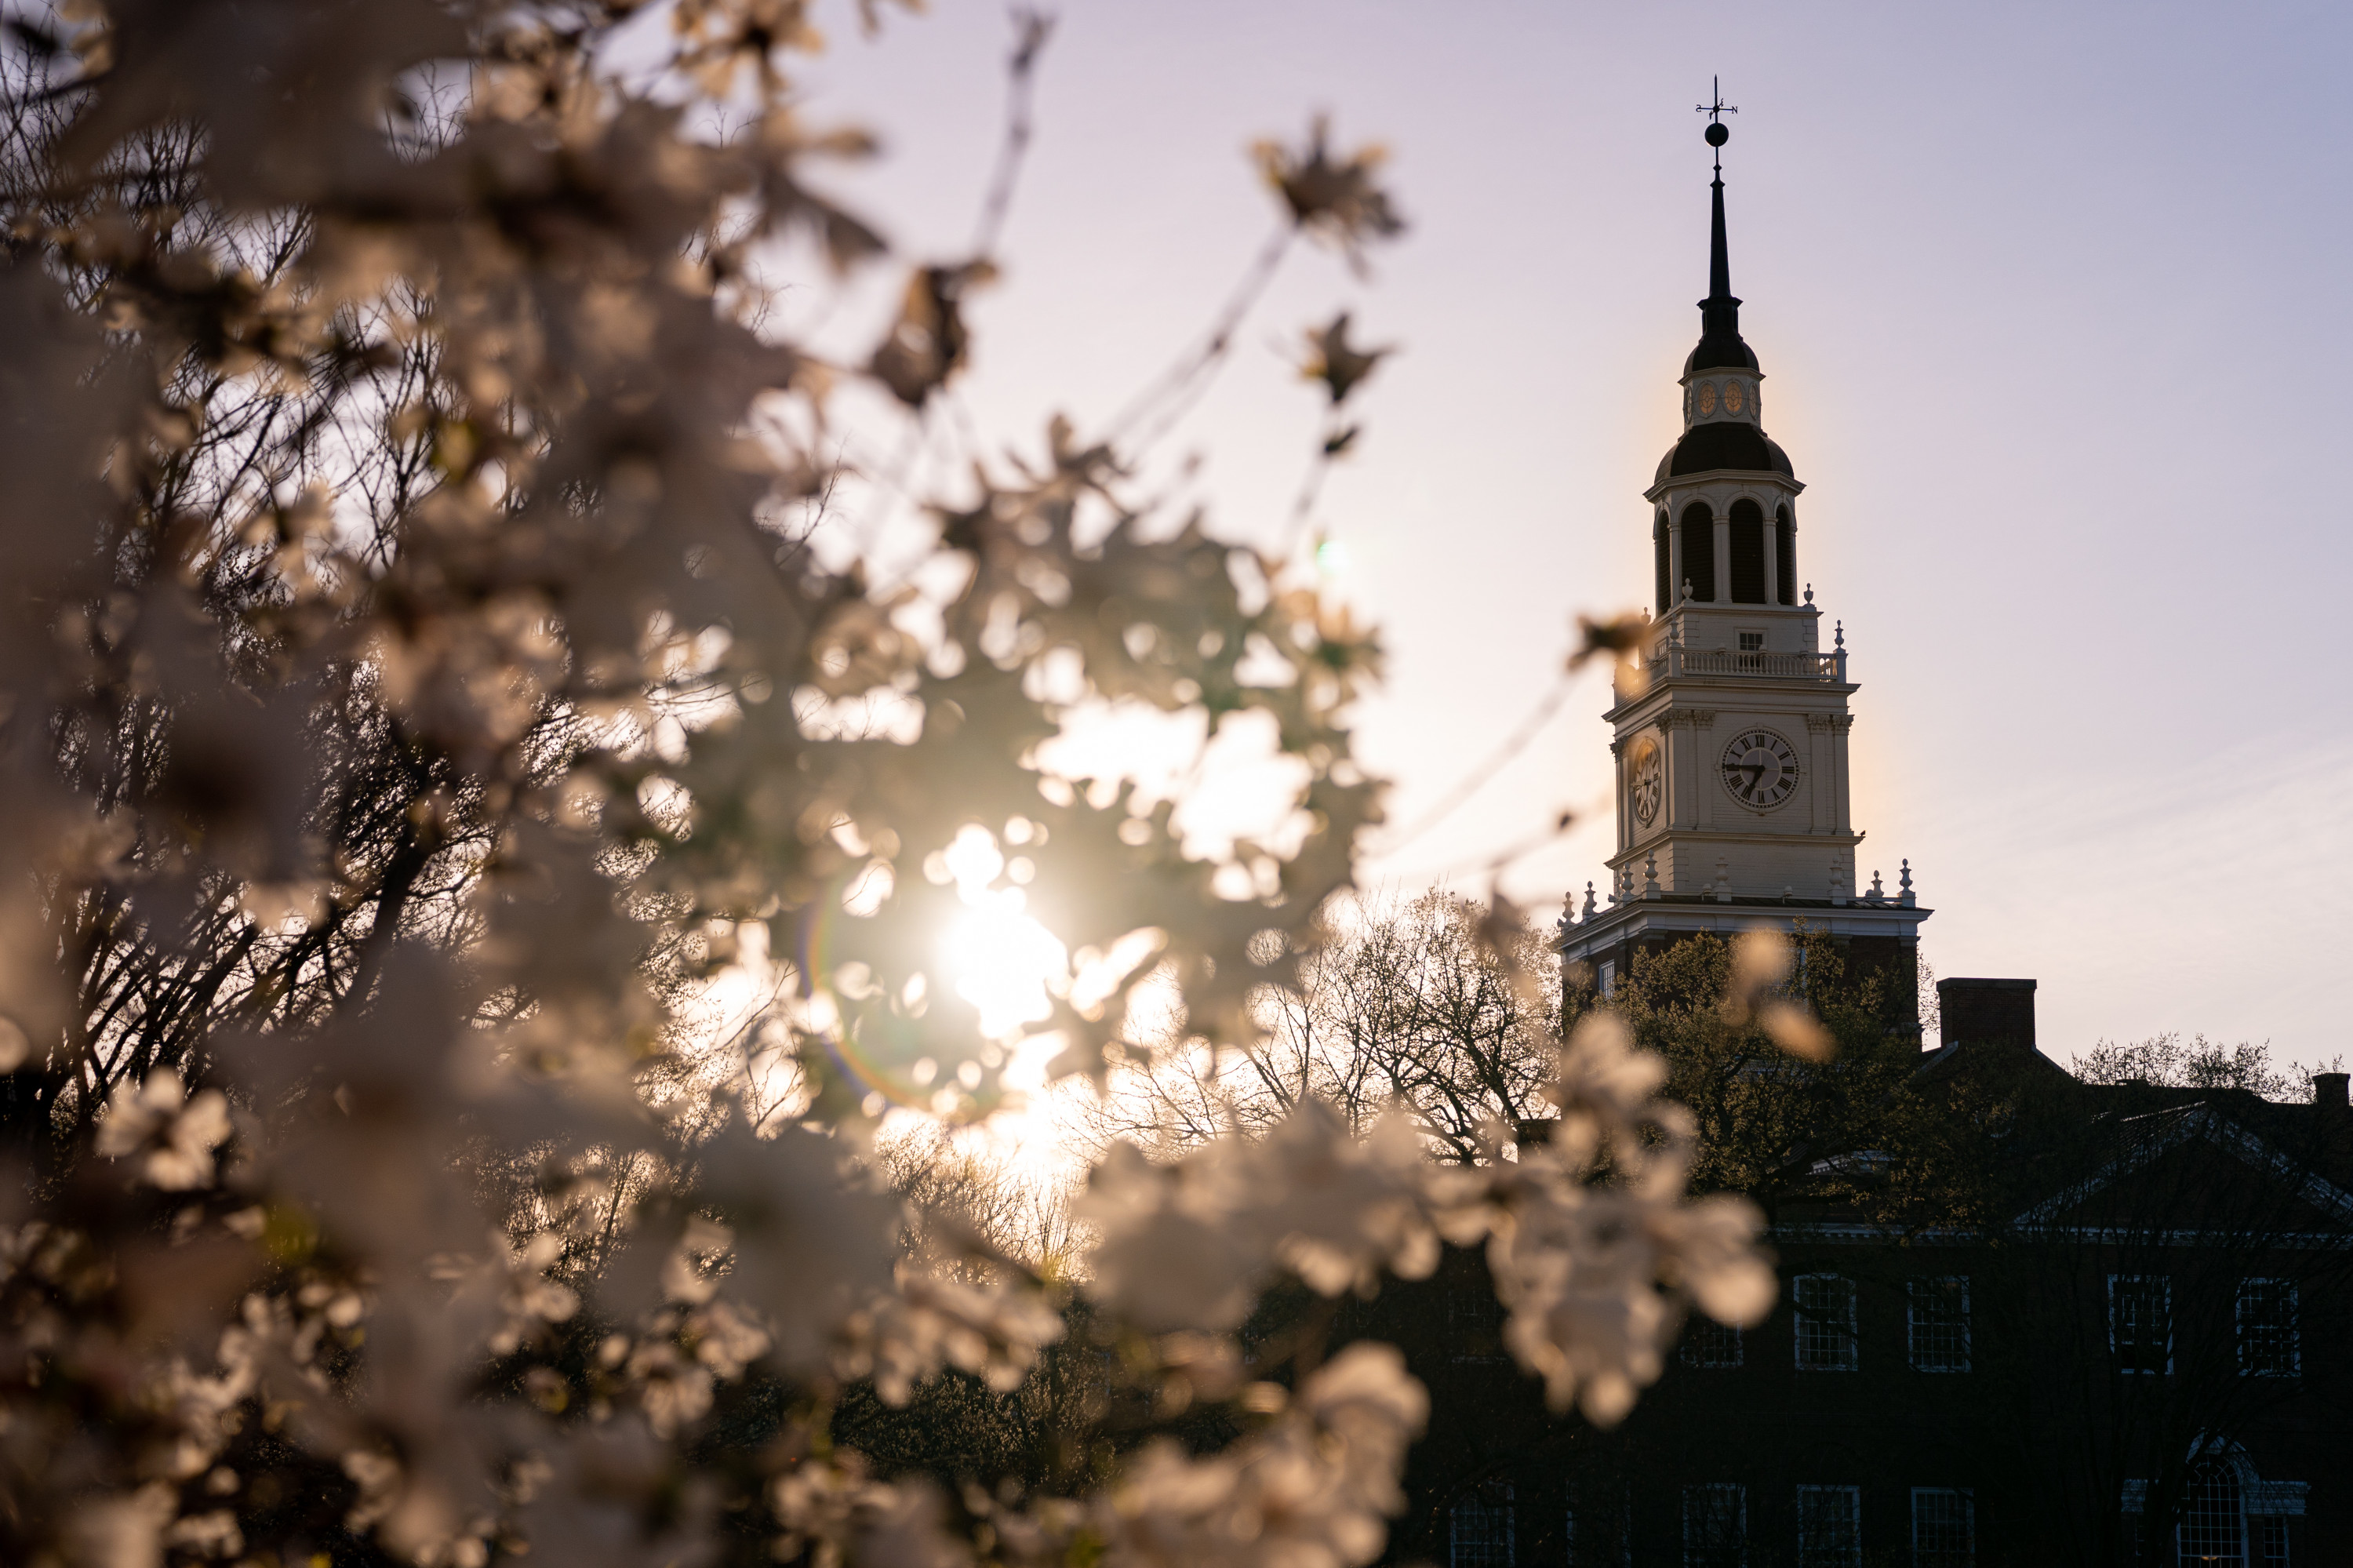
[1722, 311]
[1720, 344]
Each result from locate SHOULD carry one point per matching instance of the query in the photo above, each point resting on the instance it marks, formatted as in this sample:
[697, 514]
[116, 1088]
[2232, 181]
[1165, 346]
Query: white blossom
[173, 1133]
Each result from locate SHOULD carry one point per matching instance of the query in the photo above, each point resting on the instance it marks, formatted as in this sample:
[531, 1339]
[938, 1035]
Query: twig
[1187, 379]
[1030, 31]
[1471, 783]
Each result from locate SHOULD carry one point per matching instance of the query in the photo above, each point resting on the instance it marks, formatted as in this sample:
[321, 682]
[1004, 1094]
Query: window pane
[2267, 1329]
[2212, 1530]
[1939, 1320]
[2140, 1322]
[1829, 1527]
[1825, 1339]
[1716, 1526]
[1944, 1528]
[1479, 1530]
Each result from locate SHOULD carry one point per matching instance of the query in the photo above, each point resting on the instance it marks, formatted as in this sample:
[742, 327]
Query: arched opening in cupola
[1747, 553]
[1664, 598]
[1698, 531]
[1785, 556]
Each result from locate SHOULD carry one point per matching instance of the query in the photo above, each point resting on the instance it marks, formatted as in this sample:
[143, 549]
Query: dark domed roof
[1725, 444]
[1717, 351]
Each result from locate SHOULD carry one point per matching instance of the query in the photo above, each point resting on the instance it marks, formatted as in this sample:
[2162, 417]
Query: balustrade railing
[1674, 661]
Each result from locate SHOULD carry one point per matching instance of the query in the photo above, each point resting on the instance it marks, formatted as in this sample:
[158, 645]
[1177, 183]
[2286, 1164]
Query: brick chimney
[1987, 1012]
[2328, 1092]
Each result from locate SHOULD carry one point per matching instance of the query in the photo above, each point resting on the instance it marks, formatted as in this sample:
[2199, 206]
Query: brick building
[2125, 1339]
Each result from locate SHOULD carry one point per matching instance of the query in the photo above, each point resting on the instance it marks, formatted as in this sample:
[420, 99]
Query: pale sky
[2051, 303]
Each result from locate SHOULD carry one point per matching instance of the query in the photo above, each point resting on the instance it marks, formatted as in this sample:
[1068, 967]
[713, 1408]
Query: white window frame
[1494, 1496]
[2164, 1300]
[1718, 1491]
[1969, 1500]
[2235, 1520]
[1832, 1554]
[2294, 1329]
[1912, 1323]
[1609, 981]
[1801, 1314]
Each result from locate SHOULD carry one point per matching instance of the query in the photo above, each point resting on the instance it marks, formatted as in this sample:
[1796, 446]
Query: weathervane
[1718, 133]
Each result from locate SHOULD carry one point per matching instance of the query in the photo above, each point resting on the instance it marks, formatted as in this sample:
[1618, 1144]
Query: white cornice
[1720, 476]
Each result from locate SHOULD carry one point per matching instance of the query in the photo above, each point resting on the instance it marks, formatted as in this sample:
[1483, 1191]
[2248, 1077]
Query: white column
[1839, 727]
[1703, 767]
[1824, 791]
[1772, 558]
[1723, 560]
[1625, 803]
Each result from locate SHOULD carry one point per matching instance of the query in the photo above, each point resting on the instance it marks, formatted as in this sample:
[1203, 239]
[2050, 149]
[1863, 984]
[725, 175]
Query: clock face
[1732, 396]
[1760, 769]
[1648, 783]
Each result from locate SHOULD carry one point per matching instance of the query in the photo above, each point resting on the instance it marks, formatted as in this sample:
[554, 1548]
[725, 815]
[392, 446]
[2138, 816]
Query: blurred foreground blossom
[463, 710]
[171, 1133]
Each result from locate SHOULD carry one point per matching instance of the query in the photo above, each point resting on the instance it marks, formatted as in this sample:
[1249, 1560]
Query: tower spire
[1719, 314]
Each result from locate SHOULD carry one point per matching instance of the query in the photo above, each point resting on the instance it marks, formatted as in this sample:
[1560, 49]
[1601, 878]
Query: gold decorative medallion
[1706, 398]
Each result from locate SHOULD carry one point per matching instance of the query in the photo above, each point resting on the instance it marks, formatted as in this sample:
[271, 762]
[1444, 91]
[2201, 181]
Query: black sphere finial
[1718, 133]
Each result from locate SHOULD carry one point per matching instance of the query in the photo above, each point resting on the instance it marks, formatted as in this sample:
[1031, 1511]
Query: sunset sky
[2052, 304]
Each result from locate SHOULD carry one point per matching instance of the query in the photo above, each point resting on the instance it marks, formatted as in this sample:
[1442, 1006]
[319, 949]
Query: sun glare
[996, 954]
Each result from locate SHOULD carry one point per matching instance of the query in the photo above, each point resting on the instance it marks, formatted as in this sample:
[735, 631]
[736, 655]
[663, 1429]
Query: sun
[995, 953]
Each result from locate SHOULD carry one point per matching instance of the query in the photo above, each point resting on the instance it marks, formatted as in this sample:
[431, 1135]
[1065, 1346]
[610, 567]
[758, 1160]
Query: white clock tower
[1731, 800]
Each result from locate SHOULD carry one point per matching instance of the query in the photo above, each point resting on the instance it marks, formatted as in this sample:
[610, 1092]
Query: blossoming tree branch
[435, 662]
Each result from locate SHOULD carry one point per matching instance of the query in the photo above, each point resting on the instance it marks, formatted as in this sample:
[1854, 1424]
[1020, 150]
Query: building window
[1826, 1339]
[1708, 1343]
[1609, 980]
[1829, 1527]
[2140, 1322]
[1479, 1530]
[1716, 1526]
[2267, 1337]
[2213, 1528]
[2229, 1513]
[1939, 1323]
[1944, 1528]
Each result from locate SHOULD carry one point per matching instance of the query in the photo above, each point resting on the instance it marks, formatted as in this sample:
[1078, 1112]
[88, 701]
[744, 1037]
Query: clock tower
[1731, 743]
